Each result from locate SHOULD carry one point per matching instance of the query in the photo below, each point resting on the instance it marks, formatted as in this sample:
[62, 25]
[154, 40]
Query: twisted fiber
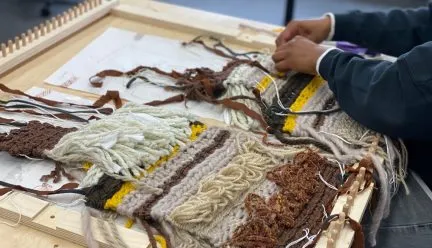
[57, 174]
[181, 192]
[135, 199]
[312, 215]
[238, 118]
[122, 152]
[316, 102]
[196, 127]
[268, 90]
[220, 231]
[208, 141]
[270, 219]
[33, 139]
[329, 104]
[217, 192]
[145, 210]
[93, 175]
[383, 207]
[86, 226]
[116, 235]
[100, 193]
[368, 178]
[288, 94]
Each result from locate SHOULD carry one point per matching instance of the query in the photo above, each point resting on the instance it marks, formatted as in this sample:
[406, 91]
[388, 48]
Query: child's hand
[316, 30]
[298, 54]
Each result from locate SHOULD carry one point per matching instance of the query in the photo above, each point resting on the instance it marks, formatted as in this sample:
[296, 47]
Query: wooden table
[140, 16]
[36, 70]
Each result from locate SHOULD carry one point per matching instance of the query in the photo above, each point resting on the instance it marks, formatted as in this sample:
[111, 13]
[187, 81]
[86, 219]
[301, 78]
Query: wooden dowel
[30, 35]
[42, 29]
[36, 33]
[54, 23]
[3, 49]
[48, 26]
[10, 46]
[60, 20]
[17, 43]
[24, 39]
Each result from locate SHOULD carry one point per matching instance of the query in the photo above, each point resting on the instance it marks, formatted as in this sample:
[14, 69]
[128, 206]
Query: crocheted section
[296, 206]
[33, 139]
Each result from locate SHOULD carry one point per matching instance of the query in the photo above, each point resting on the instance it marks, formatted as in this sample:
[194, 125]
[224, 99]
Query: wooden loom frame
[41, 215]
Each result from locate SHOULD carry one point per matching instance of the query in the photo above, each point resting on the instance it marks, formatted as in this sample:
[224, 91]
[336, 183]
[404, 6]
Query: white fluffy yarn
[124, 144]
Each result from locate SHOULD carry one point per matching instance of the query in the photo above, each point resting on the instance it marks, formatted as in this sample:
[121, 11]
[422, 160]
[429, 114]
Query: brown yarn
[286, 212]
[109, 96]
[32, 140]
[365, 163]
[66, 188]
[57, 174]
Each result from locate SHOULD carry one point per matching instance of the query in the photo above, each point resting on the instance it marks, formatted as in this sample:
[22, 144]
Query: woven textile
[200, 196]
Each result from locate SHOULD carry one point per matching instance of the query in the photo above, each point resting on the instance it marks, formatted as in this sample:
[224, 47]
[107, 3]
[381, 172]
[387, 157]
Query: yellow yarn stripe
[300, 102]
[262, 86]
[129, 223]
[161, 241]
[266, 81]
[87, 166]
[128, 187]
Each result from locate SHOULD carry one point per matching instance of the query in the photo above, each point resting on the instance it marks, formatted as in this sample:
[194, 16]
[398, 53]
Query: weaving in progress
[269, 176]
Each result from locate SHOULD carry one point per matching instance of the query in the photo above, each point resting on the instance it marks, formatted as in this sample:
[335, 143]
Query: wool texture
[205, 190]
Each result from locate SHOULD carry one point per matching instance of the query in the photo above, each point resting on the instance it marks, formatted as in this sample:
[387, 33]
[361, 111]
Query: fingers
[283, 65]
[290, 32]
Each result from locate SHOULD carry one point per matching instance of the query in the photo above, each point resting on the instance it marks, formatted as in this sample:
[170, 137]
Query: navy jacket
[391, 98]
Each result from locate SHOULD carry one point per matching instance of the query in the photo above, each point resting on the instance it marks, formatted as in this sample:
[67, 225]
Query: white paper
[125, 50]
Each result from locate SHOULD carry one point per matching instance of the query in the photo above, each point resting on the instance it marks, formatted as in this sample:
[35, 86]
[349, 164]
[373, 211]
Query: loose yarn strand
[325, 182]
[87, 228]
[306, 231]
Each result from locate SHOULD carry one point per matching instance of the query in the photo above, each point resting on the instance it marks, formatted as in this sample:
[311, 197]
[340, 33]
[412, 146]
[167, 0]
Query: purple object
[353, 48]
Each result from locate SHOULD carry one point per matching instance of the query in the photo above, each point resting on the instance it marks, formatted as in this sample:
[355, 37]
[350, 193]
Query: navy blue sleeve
[391, 98]
[392, 33]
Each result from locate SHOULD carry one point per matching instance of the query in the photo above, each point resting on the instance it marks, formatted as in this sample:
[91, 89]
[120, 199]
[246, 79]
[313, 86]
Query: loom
[177, 176]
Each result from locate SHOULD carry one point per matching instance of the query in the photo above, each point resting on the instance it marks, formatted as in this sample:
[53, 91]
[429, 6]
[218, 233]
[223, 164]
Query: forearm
[392, 33]
[391, 98]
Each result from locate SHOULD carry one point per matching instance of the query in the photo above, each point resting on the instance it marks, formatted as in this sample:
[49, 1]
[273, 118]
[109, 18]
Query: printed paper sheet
[124, 50]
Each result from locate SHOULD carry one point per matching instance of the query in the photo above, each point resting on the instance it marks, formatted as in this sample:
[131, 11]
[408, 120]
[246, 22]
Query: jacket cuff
[343, 25]
[332, 27]
[323, 62]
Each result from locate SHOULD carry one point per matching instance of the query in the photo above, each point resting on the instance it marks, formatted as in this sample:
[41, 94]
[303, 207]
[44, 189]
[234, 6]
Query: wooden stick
[30, 35]
[36, 32]
[54, 23]
[24, 39]
[72, 14]
[346, 209]
[10, 46]
[3, 49]
[48, 26]
[17, 43]
[42, 29]
[87, 6]
[82, 8]
[38, 43]
[77, 11]
[66, 17]
[60, 20]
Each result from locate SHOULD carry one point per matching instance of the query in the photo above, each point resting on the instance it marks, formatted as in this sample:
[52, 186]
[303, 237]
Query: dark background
[16, 16]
